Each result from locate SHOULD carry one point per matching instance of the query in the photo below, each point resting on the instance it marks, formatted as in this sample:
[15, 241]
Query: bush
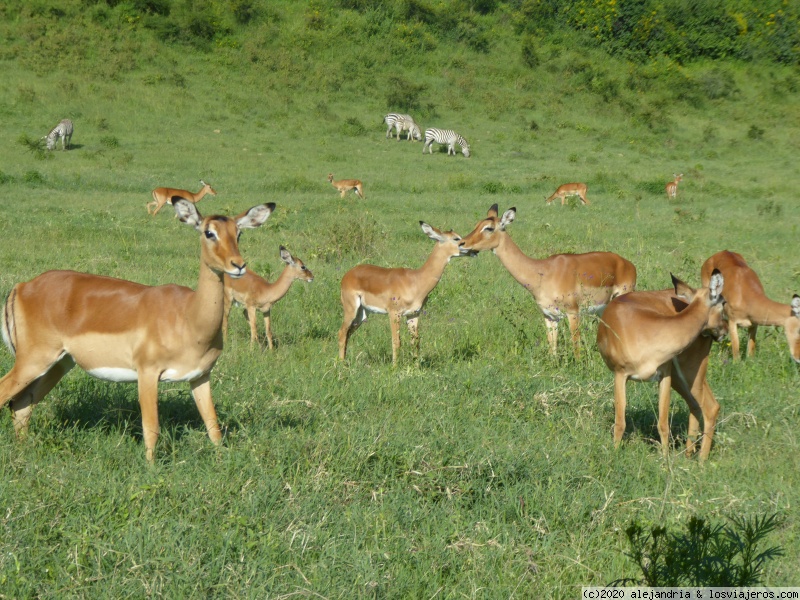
[404, 95]
[709, 556]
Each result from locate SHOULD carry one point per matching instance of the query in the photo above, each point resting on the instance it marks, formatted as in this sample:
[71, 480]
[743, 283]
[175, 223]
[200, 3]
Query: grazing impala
[399, 292]
[561, 285]
[569, 189]
[123, 331]
[672, 186]
[666, 336]
[748, 306]
[256, 293]
[345, 185]
[162, 196]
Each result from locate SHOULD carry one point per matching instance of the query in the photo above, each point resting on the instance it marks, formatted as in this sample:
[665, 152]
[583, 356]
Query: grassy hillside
[486, 469]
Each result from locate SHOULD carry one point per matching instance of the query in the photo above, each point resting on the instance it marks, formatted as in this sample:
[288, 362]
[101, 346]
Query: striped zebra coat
[445, 136]
[402, 123]
[64, 131]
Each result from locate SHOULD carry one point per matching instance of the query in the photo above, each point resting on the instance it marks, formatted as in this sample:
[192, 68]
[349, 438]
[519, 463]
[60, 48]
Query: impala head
[220, 235]
[717, 326]
[486, 235]
[330, 177]
[678, 177]
[449, 240]
[792, 329]
[207, 188]
[300, 270]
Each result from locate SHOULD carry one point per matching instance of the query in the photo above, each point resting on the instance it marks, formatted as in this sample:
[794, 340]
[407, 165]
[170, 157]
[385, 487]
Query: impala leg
[24, 372]
[733, 331]
[226, 311]
[710, 412]
[575, 333]
[349, 324]
[394, 323]
[22, 405]
[552, 334]
[413, 329]
[148, 402]
[251, 318]
[268, 327]
[563, 199]
[664, 389]
[751, 340]
[620, 381]
[201, 391]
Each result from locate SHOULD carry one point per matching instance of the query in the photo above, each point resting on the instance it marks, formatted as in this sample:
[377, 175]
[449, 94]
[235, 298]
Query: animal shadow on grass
[643, 420]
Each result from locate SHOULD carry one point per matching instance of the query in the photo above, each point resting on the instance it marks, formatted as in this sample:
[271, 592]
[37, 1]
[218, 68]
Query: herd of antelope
[121, 331]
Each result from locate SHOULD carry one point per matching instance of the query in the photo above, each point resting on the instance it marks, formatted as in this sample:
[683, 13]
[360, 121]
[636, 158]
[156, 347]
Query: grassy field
[487, 468]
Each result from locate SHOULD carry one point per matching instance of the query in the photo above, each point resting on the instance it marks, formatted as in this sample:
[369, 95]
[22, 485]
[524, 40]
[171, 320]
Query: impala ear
[508, 217]
[796, 305]
[492, 211]
[286, 257]
[715, 285]
[432, 232]
[187, 212]
[682, 290]
[255, 217]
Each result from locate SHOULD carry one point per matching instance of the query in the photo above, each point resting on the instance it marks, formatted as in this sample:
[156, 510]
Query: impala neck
[515, 261]
[431, 272]
[281, 285]
[204, 312]
[691, 322]
[768, 312]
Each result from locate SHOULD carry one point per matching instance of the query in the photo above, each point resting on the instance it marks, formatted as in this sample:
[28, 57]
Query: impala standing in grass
[569, 189]
[649, 336]
[562, 285]
[672, 187]
[748, 306]
[163, 195]
[398, 292]
[122, 331]
[345, 185]
[256, 293]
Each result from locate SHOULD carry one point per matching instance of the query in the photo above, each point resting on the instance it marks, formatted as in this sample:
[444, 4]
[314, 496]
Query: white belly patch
[118, 375]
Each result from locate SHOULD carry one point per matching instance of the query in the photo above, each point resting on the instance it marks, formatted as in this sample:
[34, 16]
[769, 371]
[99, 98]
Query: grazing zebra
[64, 131]
[445, 136]
[402, 123]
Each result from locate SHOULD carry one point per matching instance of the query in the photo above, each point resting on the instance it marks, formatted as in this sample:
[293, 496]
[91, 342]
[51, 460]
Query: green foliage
[769, 208]
[721, 555]
[404, 94]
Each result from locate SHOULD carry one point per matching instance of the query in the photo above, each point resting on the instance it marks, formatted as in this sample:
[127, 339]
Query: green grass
[488, 468]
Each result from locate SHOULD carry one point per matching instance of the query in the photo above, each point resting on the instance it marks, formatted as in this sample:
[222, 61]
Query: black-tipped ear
[675, 281]
[514, 208]
[282, 249]
[715, 272]
[422, 223]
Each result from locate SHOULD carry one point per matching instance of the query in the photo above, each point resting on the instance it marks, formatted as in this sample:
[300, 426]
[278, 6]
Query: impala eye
[488, 229]
[210, 235]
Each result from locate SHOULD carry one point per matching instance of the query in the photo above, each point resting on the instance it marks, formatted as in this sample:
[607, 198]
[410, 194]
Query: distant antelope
[345, 185]
[64, 131]
[672, 187]
[569, 189]
[162, 196]
[256, 293]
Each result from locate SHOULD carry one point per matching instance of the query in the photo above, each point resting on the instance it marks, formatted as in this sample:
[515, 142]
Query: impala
[123, 331]
[748, 306]
[672, 187]
[569, 189]
[162, 196]
[666, 336]
[256, 293]
[562, 285]
[345, 185]
[397, 292]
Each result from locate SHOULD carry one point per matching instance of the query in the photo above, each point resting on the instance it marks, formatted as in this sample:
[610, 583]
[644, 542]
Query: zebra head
[465, 150]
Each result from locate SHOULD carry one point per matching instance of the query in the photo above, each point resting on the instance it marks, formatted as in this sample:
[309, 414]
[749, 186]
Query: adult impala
[122, 331]
[345, 185]
[672, 187]
[256, 293]
[748, 306]
[666, 336]
[569, 189]
[397, 292]
[562, 285]
[163, 195]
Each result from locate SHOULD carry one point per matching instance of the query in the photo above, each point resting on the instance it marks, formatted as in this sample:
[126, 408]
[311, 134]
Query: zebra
[445, 136]
[402, 123]
[64, 131]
